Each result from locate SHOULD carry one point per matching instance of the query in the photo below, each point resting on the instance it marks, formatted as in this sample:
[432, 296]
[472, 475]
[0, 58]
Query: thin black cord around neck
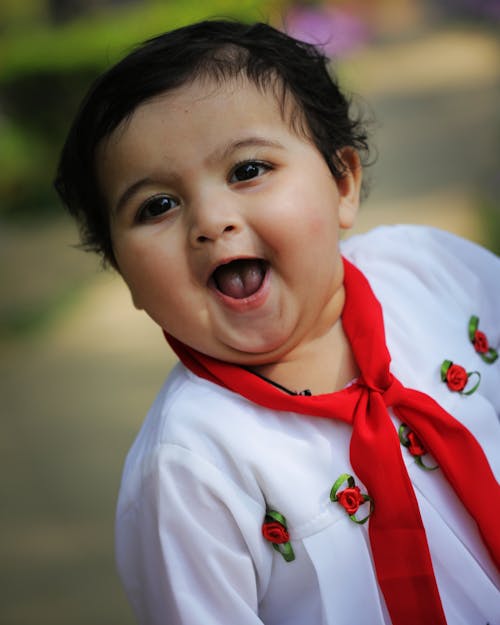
[306, 391]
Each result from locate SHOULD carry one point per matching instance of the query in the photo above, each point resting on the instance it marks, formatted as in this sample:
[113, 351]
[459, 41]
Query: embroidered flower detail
[415, 447]
[274, 529]
[350, 498]
[480, 341]
[410, 440]
[457, 378]
[275, 533]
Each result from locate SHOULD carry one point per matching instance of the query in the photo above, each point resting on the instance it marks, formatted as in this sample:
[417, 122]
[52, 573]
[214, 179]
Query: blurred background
[78, 366]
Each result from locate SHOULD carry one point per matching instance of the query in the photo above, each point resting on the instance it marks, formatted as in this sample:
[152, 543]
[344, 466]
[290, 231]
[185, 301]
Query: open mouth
[240, 278]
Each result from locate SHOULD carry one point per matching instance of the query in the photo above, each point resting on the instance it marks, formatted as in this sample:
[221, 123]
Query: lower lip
[256, 300]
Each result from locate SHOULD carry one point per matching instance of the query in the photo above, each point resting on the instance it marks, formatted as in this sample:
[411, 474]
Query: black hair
[219, 50]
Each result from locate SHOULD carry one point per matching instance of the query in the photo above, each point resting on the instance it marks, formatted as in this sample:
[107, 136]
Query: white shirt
[207, 463]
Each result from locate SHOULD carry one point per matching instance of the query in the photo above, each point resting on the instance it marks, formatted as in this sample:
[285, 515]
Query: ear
[349, 187]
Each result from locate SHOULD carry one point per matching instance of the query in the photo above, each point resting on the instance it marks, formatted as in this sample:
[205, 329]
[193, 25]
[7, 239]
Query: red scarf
[397, 536]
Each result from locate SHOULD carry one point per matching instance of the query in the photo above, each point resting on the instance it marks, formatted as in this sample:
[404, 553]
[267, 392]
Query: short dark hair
[219, 50]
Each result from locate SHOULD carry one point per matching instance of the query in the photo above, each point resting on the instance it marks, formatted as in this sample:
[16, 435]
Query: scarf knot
[393, 394]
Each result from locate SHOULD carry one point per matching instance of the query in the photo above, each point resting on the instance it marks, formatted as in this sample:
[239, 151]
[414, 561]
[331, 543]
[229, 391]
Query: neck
[326, 364]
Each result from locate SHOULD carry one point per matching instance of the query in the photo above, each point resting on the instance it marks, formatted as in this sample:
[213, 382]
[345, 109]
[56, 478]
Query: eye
[155, 207]
[248, 170]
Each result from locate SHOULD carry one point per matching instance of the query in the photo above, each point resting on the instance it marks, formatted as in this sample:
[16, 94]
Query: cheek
[143, 268]
[143, 251]
[322, 225]
[317, 222]
[314, 202]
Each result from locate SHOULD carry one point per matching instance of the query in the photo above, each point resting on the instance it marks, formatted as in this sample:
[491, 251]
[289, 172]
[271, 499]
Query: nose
[202, 238]
[213, 220]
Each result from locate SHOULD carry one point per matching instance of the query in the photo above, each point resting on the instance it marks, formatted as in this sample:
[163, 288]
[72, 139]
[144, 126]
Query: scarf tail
[398, 542]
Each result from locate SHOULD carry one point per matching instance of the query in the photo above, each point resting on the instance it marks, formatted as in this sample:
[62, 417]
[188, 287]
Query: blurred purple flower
[336, 32]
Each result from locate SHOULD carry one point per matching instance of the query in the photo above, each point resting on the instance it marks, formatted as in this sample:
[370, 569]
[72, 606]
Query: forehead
[191, 123]
[206, 101]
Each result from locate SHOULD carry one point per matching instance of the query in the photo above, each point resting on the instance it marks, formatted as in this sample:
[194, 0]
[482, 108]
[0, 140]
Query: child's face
[225, 222]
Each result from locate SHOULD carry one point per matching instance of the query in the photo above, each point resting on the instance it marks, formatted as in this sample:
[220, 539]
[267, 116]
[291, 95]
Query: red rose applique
[480, 341]
[350, 498]
[415, 447]
[275, 533]
[274, 529]
[457, 378]
[410, 440]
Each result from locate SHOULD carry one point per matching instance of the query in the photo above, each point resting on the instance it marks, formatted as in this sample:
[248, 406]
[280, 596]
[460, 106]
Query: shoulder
[199, 437]
[412, 243]
[208, 433]
[420, 261]
[430, 283]
[403, 242]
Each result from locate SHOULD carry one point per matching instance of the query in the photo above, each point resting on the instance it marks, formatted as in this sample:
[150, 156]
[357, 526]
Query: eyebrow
[238, 144]
[218, 155]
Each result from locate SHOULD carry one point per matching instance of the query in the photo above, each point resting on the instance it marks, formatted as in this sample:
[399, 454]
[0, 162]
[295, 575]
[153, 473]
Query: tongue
[239, 278]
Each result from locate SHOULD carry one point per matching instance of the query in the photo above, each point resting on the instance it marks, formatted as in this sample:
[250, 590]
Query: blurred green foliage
[45, 70]
[100, 38]
[15, 15]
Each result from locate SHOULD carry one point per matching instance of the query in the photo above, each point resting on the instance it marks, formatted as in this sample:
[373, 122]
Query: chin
[254, 353]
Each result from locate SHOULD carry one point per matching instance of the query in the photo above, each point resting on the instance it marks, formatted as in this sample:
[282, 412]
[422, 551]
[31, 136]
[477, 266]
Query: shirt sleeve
[191, 545]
